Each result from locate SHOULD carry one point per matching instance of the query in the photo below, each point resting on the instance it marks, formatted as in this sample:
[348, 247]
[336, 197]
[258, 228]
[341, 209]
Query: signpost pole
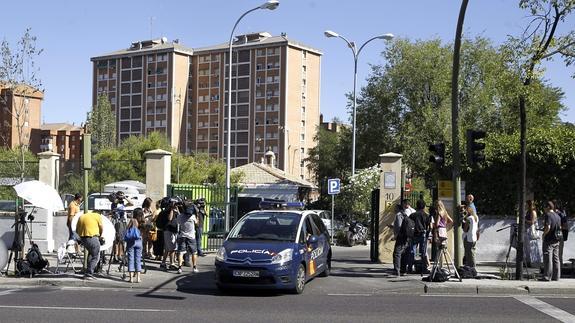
[332, 209]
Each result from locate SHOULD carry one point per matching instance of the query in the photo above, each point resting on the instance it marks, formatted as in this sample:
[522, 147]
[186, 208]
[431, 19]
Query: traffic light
[87, 151]
[474, 148]
[93, 150]
[437, 154]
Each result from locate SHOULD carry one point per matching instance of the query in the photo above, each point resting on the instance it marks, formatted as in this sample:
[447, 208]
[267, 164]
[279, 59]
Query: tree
[329, 157]
[406, 103]
[541, 40]
[127, 162]
[19, 82]
[355, 197]
[103, 124]
[551, 164]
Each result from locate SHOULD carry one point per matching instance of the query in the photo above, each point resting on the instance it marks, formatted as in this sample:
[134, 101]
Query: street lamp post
[270, 5]
[356, 52]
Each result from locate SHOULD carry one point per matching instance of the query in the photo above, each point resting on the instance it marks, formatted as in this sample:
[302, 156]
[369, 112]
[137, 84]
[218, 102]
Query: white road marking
[349, 294]
[7, 292]
[85, 308]
[546, 308]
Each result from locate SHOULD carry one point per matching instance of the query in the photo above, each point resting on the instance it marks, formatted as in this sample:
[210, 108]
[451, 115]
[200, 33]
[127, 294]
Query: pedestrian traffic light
[475, 152]
[437, 154]
[86, 151]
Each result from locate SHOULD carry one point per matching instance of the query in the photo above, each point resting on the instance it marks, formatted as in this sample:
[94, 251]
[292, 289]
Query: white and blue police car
[279, 248]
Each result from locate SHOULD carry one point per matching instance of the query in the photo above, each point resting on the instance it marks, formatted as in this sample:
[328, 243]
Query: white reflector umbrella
[40, 195]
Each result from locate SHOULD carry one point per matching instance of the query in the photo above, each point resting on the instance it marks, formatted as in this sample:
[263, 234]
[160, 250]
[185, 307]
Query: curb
[452, 289]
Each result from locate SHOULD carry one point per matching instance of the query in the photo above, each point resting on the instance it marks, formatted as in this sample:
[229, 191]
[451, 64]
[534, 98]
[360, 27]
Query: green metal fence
[214, 229]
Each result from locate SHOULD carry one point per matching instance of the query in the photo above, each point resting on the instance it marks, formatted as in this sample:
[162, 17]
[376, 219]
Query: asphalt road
[79, 305]
[343, 297]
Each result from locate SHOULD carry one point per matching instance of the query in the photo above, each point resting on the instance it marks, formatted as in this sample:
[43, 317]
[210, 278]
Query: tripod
[443, 258]
[21, 230]
[512, 244]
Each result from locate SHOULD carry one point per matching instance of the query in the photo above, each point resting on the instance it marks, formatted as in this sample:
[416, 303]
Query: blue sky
[71, 31]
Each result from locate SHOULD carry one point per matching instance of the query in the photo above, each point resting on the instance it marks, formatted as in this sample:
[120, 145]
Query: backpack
[407, 228]
[467, 272]
[132, 234]
[421, 220]
[35, 258]
[441, 275]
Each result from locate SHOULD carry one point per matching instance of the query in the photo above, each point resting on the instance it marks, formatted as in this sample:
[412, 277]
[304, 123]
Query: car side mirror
[312, 239]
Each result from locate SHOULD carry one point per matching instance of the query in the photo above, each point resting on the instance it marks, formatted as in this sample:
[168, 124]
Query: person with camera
[167, 219]
[552, 235]
[120, 219]
[187, 222]
[90, 229]
[470, 227]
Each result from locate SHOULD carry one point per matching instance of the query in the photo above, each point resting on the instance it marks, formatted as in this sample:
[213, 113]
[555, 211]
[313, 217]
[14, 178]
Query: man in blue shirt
[469, 198]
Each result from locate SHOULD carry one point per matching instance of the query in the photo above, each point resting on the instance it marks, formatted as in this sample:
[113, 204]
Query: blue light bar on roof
[269, 205]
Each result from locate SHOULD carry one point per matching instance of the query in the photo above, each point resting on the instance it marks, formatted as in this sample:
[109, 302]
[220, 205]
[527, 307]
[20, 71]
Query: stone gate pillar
[389, 197]
[158, 173]
[43, 225]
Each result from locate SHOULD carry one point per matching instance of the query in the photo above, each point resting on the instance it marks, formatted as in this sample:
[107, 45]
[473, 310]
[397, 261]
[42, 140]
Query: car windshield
[267, 226]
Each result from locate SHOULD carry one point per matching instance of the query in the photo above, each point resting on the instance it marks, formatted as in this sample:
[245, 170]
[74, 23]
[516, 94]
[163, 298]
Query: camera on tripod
[117, 197]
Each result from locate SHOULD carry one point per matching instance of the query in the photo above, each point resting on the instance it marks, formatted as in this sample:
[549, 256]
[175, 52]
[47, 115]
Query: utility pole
[456, 175]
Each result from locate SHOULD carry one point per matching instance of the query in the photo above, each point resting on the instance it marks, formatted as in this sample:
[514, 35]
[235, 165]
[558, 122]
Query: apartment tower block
[156, 85]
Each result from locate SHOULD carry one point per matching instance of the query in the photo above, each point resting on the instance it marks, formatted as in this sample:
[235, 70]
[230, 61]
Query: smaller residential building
[63, 139]
[20, 107]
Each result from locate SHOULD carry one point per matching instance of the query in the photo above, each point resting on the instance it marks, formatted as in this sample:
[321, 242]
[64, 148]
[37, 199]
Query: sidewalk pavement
[154, 279]
[359, 274]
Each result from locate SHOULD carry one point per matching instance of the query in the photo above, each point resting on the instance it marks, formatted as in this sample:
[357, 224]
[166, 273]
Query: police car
[274, 248]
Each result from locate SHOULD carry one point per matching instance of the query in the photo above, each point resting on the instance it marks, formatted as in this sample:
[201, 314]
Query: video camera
[118, 196]
[171, 202]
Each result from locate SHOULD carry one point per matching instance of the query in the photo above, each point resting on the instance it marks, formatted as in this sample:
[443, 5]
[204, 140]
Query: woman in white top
[470, 227]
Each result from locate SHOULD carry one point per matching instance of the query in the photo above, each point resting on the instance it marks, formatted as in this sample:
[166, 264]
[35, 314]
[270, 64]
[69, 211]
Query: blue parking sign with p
[333, 186]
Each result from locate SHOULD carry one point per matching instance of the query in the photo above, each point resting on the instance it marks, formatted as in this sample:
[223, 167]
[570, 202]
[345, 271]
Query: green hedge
[550, 170]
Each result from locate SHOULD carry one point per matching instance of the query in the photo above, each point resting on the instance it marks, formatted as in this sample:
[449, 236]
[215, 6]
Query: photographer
[470, 226]
[119, 218]
[187, 222]
[167, 222]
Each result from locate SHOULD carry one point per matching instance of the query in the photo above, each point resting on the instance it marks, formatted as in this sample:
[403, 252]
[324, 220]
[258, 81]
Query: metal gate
[374, 226]
[213, 230]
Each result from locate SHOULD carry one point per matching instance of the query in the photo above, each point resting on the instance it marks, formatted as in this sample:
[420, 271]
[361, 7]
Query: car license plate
[246, 273]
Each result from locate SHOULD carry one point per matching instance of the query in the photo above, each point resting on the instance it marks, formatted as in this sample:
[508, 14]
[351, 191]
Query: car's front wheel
[327, 269]
[300, 280]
